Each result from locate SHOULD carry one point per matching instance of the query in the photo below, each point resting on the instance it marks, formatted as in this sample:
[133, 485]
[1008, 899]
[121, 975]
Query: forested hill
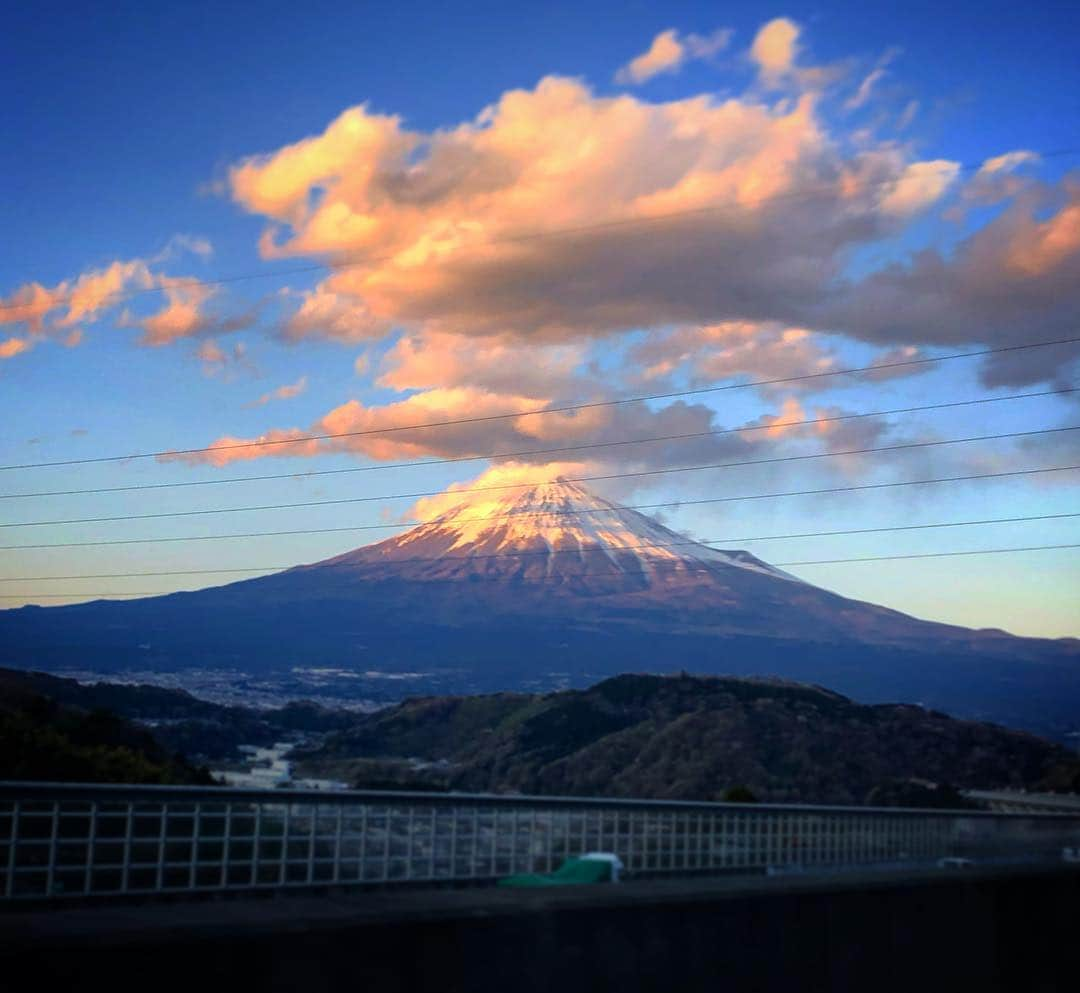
[44, 739]
[692, 738]
[53, 728]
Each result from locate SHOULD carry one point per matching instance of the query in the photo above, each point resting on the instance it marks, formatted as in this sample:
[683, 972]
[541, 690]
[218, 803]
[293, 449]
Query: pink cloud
[499, 363]
[63, 310]
[286, 392]
[669, 51]
[758, 350]
[775, 48]
[1013, 281]
[438, 230]
[11, 347]
[83, 298]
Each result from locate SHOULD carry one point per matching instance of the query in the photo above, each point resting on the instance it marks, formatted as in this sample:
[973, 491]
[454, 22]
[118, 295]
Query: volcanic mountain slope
[524, 587]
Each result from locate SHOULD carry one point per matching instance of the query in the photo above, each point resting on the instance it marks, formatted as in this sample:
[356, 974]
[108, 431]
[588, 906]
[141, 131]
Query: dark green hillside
[178, 721]
[686, 738]
[41, 739]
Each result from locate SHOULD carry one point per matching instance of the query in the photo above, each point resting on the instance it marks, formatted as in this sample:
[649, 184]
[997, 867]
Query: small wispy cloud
[865, 89]
[185, 244]
[669, 51]
[286, 392]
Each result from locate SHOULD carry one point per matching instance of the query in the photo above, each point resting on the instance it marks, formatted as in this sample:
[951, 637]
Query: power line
[555, 513]
[872, 367]
[637, 474]
[345, 263]
[928, 555]
[541, 451]
[614, 572]
[707, 542]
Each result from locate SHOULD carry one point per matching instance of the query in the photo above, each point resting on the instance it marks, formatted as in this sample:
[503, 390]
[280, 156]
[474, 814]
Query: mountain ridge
[685, 737]
[548, 585]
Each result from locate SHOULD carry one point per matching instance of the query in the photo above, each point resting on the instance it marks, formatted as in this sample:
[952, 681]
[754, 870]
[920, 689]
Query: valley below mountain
[675, 737]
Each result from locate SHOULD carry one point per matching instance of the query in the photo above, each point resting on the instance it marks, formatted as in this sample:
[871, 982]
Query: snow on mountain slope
[548, 531]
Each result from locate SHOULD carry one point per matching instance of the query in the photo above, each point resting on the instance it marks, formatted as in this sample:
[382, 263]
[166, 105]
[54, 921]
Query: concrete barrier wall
[956, 931]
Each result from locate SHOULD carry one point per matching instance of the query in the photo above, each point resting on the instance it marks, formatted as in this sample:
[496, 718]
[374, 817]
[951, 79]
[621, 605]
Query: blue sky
[133, 119]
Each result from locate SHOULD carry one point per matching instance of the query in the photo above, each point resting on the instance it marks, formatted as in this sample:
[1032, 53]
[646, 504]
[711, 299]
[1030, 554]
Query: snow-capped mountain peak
[550, 530]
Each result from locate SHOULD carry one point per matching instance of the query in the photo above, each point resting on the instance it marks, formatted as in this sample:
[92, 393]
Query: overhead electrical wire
[525, 237]
[563, 408]
[511, 486]
[558, 513]
[554, 233]
[523, 453]
[614, 572]
[598, 549]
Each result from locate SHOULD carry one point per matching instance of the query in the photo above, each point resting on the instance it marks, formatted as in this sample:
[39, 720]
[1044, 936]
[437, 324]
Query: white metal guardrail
[61, 840]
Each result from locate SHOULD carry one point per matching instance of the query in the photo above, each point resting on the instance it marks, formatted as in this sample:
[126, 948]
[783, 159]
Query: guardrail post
[91, 838]
[10, 885]
[54, 830]
[256, 844]
[283, 868]
[388, 822]
[226, 846]
[163, 834]
[129, 825]
[314, 823]
[338, 830]
[194, 850]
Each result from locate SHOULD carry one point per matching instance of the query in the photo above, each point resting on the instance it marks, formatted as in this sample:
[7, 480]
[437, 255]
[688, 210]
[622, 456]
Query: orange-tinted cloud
[760, 351]
[694, 210]
[665, 54]
[63, 310]
[669, 51]
[1015, 280]
[919, 186]
[83, 298]
[182, 316]
[11, 347]
[286, 392]
[93, 292]
[1039, 248]
[775, 48]
[499, 363]
[781, 424]
[325, 314]
[375, 431]
[218, 361]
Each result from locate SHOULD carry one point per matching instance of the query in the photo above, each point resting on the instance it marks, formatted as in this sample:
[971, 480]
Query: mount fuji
[550, 583]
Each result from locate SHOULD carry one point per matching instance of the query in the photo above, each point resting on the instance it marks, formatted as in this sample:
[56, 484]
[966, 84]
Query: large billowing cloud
[559, 213]
[496, 257]
[501, 250]
[1014, 281]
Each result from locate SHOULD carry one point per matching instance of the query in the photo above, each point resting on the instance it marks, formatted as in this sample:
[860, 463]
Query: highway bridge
[392, 891]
